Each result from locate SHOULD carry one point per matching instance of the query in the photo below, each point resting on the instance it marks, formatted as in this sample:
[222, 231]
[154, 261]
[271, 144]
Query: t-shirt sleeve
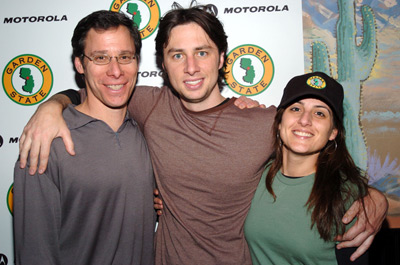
[143, 100]
[76, 96]
[37, 218]
[73, 95]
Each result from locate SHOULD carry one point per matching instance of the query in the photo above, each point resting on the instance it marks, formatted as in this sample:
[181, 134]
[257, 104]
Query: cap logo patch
[316, 82]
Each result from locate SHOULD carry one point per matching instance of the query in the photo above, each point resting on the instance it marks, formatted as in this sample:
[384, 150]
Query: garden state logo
[316, 82]
[27, 79]
[144, 13]
[10, 196]
[250, 70]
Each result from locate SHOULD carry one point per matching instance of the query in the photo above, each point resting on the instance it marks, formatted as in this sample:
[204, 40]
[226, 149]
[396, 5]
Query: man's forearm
[56, 103]
[73, 95]
[59, 100]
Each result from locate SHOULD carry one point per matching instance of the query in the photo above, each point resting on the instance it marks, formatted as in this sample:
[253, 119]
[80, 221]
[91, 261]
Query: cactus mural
[354, 63]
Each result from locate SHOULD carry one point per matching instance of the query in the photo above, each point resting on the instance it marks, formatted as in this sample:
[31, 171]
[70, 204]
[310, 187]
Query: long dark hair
[202, 16]
[335, 178]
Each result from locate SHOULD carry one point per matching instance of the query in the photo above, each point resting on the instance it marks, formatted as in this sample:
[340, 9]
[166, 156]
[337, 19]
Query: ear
[78, 65]
[221, 60]
[333, 134]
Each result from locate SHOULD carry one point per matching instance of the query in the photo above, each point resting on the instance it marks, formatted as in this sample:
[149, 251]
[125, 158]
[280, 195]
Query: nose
[191, 66]
[305, 118]
[114, 68]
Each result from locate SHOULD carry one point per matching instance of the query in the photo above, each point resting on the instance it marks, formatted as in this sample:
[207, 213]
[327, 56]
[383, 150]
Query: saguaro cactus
[354, 64]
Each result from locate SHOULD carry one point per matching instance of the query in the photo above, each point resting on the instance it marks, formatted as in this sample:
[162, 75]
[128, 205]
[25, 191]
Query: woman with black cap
[309, 182]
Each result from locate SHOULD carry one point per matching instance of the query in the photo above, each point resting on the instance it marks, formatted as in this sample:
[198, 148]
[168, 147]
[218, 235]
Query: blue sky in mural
[325, 12]
[385, 79]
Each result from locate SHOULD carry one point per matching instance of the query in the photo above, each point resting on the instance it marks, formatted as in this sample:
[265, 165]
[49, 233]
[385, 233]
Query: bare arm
[363, 232]
[46, 124]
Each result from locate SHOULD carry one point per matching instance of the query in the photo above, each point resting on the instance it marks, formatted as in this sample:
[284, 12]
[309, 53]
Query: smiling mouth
[305, 134]
[115, 87]
[193, 82]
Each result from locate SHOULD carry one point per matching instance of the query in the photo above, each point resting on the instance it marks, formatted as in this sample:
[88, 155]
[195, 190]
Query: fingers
[366, 243]
[44, 156]
[254, 103]
[39, 148]
[24, 146]
[243, 102]
[351, 212]
[45, 144]
[357, 241]
[362, 233]
[34, 154]
[46, 124]
[240, 102]
[361, 229]
[158, 204]
[362, 249]
[368, 223]
[69, 144]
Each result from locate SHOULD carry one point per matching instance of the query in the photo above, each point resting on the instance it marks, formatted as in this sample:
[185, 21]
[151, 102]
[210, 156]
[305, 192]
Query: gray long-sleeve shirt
[92, 208]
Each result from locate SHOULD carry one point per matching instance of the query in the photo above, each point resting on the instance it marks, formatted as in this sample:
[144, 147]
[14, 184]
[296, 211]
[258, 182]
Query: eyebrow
[106, 52]
[317, 106]
[204, 47]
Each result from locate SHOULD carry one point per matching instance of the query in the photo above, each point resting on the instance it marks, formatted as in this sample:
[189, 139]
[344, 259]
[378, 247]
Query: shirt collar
[78, 119]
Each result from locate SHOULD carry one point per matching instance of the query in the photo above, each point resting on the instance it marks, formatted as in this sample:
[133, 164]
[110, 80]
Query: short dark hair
[103, 20]
[202, 17]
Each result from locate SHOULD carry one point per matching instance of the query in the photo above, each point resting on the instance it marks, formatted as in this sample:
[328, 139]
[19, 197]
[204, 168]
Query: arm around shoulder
[46, 124]
[368, 222]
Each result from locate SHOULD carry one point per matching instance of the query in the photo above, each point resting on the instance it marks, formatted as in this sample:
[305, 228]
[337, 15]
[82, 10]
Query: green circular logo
[250, 70]
[145, 15]
[27, 79]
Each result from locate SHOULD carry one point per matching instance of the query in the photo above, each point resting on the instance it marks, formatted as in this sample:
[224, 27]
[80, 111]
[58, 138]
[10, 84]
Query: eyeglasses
[103, 59]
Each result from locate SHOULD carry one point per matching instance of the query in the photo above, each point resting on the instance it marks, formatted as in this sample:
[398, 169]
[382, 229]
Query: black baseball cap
[315, 85]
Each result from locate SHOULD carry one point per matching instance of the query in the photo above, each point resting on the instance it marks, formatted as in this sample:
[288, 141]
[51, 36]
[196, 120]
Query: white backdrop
[35, 46]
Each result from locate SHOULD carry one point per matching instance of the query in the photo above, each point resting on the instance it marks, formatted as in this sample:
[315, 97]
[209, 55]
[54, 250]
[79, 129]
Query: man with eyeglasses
[94, 207]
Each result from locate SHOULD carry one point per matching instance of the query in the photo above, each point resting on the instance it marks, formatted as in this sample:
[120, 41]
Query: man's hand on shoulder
[46, 124]
[244, 102]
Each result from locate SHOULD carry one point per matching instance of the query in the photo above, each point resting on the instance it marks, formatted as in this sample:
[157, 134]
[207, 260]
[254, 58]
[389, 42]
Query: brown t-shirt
[207, 166]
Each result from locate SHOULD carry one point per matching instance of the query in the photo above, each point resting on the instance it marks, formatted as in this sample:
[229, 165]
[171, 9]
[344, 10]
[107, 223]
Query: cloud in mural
[389, 3]
[382, 129]
[385, 121]
[376, 116]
